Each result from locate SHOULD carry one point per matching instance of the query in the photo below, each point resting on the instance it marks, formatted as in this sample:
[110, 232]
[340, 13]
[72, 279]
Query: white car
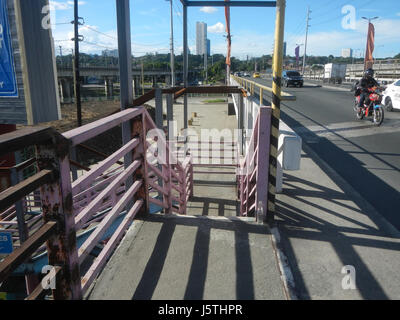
[391, 96]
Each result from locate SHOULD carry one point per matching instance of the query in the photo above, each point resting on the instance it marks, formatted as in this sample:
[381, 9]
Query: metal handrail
[249, 84]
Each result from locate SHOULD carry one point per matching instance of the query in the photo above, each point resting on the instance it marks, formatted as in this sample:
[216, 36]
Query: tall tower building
[347, 53]
[201, 38]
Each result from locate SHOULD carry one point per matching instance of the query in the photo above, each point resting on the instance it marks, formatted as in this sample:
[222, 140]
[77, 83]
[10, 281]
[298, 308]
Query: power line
[104, 34]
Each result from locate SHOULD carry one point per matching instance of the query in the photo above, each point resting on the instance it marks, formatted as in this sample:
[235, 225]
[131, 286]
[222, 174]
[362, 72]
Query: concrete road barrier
[289, 152]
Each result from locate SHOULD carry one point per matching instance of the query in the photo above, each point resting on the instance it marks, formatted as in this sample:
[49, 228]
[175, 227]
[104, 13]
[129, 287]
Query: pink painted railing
[107, 194]
[103, 193]
[170, 178]
[254, 166]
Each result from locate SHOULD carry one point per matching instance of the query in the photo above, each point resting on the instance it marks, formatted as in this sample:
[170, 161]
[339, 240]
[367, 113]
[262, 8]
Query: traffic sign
[8, 82]
[6, 245]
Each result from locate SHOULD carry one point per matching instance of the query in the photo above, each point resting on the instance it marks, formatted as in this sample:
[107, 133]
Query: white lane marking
[328, 87]
[351, 129]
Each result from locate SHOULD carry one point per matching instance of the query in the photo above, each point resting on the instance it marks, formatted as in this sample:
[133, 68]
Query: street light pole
[172, 48]
[305, 45]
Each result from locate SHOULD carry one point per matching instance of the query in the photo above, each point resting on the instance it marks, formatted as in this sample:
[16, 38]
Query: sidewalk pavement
[325, 225]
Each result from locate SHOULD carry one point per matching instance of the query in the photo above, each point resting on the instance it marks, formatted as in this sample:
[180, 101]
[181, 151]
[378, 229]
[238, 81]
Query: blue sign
[6, 244]
[8, 82]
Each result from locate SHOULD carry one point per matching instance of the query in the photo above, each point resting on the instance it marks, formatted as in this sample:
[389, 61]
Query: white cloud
[398, 14]
[326, 43]
[208, 9]
[65, 5]
[216, 28]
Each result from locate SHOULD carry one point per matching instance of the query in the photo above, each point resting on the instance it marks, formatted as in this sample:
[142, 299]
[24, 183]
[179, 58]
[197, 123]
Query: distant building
[201, 38]
[208, 47]
[347, 53]
[110, 53]
[284, 49]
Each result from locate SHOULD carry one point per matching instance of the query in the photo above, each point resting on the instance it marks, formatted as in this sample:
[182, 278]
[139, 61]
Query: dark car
[292, 78]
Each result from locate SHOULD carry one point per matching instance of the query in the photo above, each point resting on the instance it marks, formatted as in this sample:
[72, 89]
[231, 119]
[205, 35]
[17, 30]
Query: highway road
[365, 156]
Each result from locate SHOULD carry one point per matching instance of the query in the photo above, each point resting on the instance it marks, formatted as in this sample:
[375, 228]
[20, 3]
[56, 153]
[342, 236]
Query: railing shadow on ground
[205, 202]
[381, 195]
[196, 283]
[295, 223]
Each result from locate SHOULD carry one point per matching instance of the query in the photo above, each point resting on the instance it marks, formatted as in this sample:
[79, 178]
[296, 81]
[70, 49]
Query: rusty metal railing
[93, 212]
[57, 228]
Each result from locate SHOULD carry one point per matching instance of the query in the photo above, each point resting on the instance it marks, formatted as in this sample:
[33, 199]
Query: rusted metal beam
[144, 98]
[214, 89]
[179, 93]
[19, 139]
[20, 190]
[171, 90]
[78, 165]
[24, 252]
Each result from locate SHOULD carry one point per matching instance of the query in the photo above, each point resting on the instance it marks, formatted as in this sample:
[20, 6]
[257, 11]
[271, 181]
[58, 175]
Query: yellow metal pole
[261, 97]
[276, 105]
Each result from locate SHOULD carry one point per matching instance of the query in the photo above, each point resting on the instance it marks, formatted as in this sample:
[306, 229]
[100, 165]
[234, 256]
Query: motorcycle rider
[366, 82]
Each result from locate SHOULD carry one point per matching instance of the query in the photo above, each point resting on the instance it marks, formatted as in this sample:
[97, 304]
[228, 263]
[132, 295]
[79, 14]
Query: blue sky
[252, 28]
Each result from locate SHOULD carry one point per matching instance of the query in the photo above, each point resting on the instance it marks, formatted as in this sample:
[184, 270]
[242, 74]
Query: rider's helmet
[369, 73]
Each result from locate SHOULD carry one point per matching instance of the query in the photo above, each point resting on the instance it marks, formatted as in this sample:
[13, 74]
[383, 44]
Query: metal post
[185, 74]
[159, 108]
[76, 66]
[57, 204]
[263, 138]
[172, 49]
[170, 116]
[276, 104]
[125, 68]
[240, 120]
[305, 45]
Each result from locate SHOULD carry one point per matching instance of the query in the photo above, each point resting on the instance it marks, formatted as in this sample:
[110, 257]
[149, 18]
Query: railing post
[242, 198]
[263, 138]
[166, 170]
[57, 205]
[139, 130]
[191, 177]
[182, 207]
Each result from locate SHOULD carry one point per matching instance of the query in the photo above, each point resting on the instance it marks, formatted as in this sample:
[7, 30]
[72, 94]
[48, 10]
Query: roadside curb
[365, 206]
[283, 265]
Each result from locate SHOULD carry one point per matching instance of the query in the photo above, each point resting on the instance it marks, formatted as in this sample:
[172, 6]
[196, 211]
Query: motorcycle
[372, 106]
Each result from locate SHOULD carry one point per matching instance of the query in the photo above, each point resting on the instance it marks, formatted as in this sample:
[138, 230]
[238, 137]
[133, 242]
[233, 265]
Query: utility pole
[172, 49]
[142, 79]
[205, 65]
[77, 83]
[61, 56]
[305, 45]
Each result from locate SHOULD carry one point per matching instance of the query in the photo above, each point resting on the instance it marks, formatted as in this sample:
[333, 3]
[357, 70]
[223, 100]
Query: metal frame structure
[277, 80]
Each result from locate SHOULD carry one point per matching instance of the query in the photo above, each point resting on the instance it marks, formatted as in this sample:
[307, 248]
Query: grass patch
[215, 101]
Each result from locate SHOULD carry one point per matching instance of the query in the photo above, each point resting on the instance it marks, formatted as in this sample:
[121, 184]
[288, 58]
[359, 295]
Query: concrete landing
[192, 258]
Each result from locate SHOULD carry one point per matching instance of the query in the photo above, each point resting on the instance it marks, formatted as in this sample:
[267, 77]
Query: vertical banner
[369, 60]
[8, 82]
[228, 31]
[297, 53]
